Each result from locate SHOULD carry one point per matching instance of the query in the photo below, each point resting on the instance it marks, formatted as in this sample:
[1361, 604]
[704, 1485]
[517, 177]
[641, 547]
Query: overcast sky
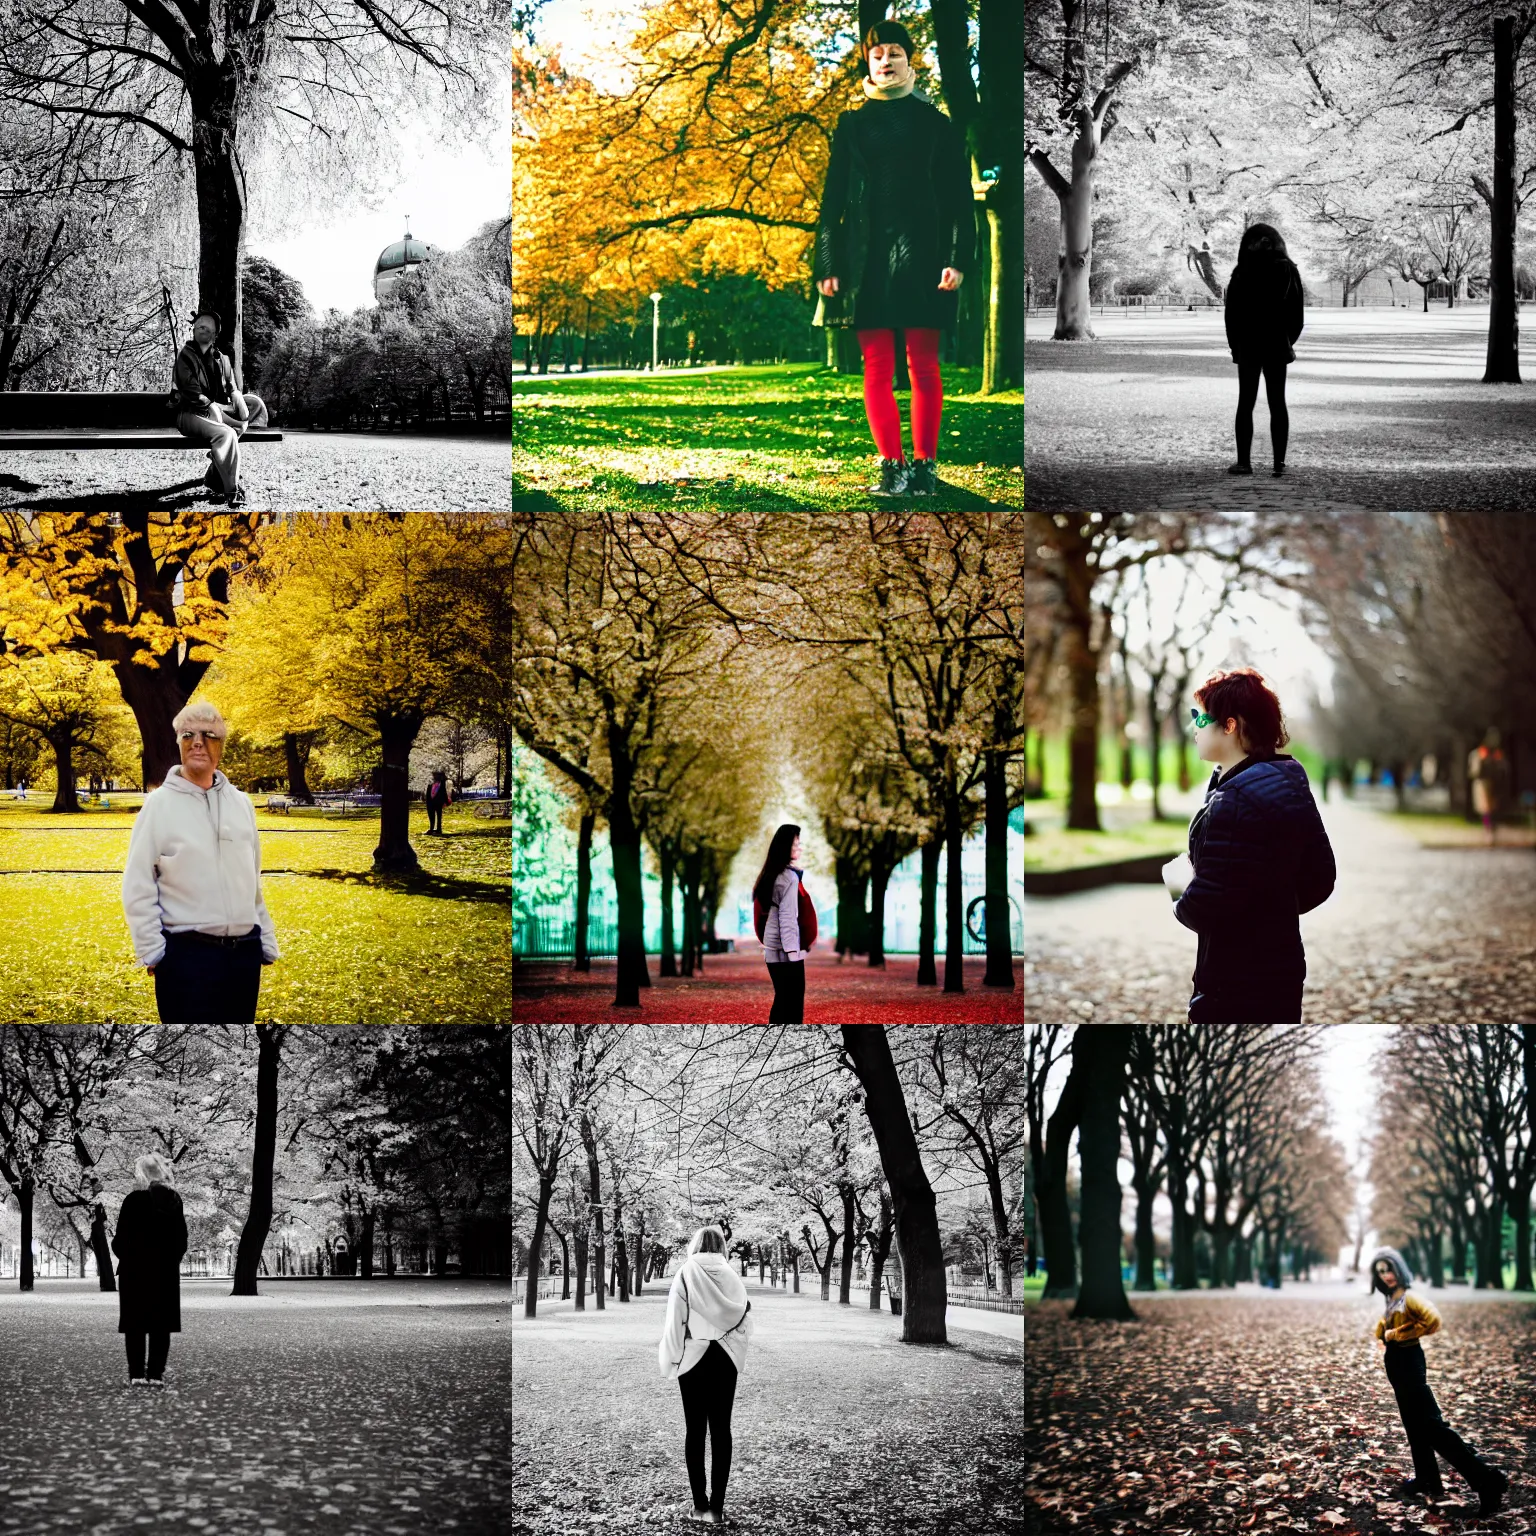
[449, 193]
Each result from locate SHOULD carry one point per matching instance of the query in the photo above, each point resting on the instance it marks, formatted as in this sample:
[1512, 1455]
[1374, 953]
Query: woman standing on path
[1264, 317]
[1259, 858]
[704, 1345]
[151, 1237]
[895, 238]
[779, 897]
[1405, 1320]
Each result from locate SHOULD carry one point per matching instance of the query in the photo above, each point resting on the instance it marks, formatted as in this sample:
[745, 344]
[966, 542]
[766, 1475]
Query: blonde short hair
[707, 1240]
[199, 713]
[152, 1169]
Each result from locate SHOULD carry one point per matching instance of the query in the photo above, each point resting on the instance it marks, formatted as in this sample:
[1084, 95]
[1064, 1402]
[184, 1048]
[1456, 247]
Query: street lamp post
[655, 327]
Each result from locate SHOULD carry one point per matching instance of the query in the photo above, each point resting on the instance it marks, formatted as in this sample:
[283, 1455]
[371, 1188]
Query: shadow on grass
[448, 887]
[738, 493]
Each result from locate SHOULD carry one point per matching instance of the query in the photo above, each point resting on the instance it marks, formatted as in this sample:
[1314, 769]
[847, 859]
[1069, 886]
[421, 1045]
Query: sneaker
[1491, 1493]
[138, 1381]
[923, 478]
[893, 478]
[1239, 469]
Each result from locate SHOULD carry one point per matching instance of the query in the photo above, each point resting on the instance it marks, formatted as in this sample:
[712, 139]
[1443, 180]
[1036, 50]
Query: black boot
[1412, 1489]
[1242, 467]
[893, 478]
[924, 479]
[1491, 1492]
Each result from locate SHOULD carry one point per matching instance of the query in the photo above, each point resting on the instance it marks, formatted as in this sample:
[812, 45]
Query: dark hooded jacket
[1264, 307]
[150, 1239]
[896, 210]
[1261, 857]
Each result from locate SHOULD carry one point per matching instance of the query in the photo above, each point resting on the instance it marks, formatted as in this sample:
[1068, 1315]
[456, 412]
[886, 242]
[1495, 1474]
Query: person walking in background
[439, 795]
[704, 1345]
[1405, 1319]
[1488, 772]
[150, 1240]
[1258, 857]
[1264, 314]
[895, 238]
[785, 920]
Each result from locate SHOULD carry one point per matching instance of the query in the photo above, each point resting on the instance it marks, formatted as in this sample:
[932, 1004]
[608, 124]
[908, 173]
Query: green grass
[790, 435]
[1056, 774]
[1069, 850]
[356, 947]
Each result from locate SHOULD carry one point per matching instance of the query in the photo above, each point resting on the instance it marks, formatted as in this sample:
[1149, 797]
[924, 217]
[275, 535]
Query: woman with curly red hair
[1259, 855]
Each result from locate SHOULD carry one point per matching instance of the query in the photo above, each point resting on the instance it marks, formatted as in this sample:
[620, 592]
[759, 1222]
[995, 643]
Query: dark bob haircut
[1244, 695]
[1261, 239]
[888, 32]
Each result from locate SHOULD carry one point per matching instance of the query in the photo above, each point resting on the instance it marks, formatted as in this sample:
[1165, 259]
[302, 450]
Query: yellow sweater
[1414, 1318]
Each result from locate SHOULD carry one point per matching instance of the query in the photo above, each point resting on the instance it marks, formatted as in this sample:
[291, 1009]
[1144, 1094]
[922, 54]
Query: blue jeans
[198, 983]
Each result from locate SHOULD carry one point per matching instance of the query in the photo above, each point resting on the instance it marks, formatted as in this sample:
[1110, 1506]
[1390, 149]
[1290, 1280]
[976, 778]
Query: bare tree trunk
[258, 1222]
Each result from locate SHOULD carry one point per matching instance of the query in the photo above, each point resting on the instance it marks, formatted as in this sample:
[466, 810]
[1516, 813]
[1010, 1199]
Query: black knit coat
[1264, 308]
[896, 210]
[150, 1239]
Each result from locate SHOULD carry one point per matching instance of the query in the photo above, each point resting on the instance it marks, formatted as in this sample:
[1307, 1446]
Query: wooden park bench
[86, 419]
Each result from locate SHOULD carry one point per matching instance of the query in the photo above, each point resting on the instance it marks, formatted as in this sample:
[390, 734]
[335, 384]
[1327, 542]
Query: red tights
[879, 349]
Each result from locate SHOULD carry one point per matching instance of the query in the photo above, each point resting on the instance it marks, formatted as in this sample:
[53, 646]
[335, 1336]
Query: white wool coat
[194, 862]
[707, 1301]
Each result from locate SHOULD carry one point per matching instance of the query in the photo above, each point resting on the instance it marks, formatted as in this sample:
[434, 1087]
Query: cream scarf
[892, 92]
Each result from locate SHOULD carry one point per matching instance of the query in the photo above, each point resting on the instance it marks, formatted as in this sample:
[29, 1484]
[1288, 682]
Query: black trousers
[159, 1348]
[198, 983]
[1427, 1431]
[1273, 371]
[434, 816]
[788, 991]
[1281, 1005]
[709, 1391]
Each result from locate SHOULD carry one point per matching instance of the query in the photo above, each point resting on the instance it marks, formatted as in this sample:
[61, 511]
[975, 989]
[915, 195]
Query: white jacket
[194, 862]
[708, 1301]
[781, 928]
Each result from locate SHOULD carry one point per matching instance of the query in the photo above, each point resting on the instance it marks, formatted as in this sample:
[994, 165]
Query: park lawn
[1061, 849]
[838, 1427]
[357, 1408]
[356, 947]
[1437, 830]
[791, 435]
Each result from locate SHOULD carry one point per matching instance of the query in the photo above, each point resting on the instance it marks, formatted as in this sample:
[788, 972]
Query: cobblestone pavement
[1410, 935]
[1386, 407]
[306, 472]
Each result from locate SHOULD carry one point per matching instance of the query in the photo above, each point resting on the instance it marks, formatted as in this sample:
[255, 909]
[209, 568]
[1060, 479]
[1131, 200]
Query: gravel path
[1411, 935]
[1387, 411]
[296, 1411]
[306, 472]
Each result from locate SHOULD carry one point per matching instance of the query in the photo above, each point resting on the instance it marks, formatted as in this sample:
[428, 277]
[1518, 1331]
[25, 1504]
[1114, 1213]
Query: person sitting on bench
[209, 406]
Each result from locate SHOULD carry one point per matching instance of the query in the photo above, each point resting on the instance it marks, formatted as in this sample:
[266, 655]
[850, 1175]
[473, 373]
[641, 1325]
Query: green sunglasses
[1200, 718]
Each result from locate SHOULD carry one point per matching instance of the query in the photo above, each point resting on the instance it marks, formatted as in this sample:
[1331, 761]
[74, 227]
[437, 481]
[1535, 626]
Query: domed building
[398, 259]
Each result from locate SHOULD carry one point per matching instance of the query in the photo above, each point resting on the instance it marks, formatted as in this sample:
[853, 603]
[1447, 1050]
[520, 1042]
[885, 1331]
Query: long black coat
[150, 1240]
[896, 210]
[1261, 857]
[1265, 308]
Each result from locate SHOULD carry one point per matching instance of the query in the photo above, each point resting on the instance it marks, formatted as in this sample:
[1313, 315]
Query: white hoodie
[708, 1301]
[194, 862]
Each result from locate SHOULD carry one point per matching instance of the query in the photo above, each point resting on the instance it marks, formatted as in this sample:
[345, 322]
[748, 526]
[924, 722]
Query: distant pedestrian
[439, 796]
[1264, 314]
[149, 1243]
[704, 1345]
[1258, 857]
[1406, 1318]
[785, 920]
[895, 238]
[1488, 771]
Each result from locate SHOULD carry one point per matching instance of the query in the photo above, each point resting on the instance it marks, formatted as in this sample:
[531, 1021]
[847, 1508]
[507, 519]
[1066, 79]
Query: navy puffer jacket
[1261, 858]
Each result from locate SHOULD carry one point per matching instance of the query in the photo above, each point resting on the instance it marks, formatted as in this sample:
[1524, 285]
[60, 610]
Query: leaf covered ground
[356, 947]
[838, 1428]
[1240, 1412]
[790, 435]
[357, 1409]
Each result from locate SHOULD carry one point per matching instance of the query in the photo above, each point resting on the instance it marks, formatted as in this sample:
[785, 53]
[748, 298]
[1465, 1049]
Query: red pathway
[735, 989]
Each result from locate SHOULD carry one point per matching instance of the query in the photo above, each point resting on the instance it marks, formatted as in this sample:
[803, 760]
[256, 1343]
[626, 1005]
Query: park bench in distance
[39, 419]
